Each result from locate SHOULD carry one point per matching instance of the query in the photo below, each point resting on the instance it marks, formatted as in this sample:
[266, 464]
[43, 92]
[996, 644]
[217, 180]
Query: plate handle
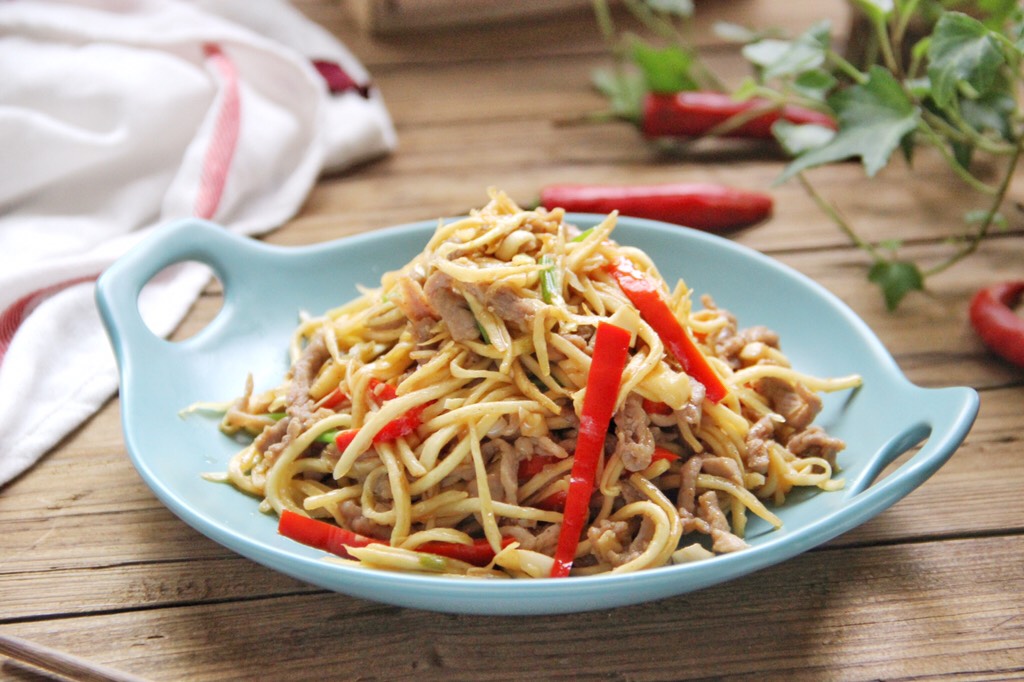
[233, 258]
[958, 407]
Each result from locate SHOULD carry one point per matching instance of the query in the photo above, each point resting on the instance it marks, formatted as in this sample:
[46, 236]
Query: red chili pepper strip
[382, 391]
[345, 437]
[333, 399]
[995, 321]
[611, 350]
[401, 426]
[554, 501]
[663, 453]
[321, 535]
[704, 206]
[644, 293]
[654, 407]
[398, 427]
[528, 468]
[336, 540]
[479, 553]
[695, 113]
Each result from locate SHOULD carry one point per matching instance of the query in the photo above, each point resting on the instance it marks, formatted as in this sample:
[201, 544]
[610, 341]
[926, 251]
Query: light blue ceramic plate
[266, 287]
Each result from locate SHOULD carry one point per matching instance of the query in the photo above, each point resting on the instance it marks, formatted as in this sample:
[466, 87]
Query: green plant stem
[646, 16]
[888, 54]
[917, 61]
[903, 21]
[986, 224]
[936, 141]
[781, 99]
[964, 132]
[851, 71]
[833, 213]
[740, 119]
[711, 81]
[605, 23]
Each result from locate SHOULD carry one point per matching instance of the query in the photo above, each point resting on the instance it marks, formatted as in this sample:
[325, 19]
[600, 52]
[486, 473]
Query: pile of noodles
[487, 337]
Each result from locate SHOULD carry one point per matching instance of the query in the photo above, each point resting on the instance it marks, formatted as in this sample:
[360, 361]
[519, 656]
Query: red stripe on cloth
[225, 136]
[337, 79]
[12, 316]
[213, 178]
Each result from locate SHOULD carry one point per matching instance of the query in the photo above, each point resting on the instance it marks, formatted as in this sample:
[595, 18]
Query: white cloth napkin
[118, 116]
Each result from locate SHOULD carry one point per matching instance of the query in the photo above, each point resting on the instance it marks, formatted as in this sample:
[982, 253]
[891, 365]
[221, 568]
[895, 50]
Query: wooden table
[92, 564]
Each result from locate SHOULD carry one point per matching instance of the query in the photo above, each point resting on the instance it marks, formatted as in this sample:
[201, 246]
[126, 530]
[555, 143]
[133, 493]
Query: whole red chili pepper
[697, 113]
[994, 320]
[705, 206]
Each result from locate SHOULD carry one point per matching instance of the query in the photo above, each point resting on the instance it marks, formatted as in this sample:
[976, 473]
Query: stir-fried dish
[526, 399]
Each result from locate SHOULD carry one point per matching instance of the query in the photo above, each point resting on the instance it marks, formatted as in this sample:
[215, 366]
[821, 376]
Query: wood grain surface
[92, 564]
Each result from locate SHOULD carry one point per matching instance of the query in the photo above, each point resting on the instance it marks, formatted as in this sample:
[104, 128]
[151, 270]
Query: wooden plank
[897, 612]
[407, 16]
[509, 89]
[210, 575]
[566, 33]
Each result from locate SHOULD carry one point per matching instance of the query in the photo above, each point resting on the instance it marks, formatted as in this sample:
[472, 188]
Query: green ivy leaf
[896, 279]
[978, 216]
[798, 139]
[747, 88]
[781, 58]
[766, 51]
[992, 113]
[962, 153]
[815, 84]
[625, 92]
[876, 10]
[733, 33]
[918, 87]
[679, 8]
[962, 52]
[665, 69]
[998, 12]
[919, 52]
[874, 118]
[907, 147]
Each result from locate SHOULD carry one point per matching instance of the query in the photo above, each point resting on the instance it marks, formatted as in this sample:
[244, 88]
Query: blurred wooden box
[400, 16]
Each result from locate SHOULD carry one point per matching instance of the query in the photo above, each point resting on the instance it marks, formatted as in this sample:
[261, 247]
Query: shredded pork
[451, 306]
[634, 442]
